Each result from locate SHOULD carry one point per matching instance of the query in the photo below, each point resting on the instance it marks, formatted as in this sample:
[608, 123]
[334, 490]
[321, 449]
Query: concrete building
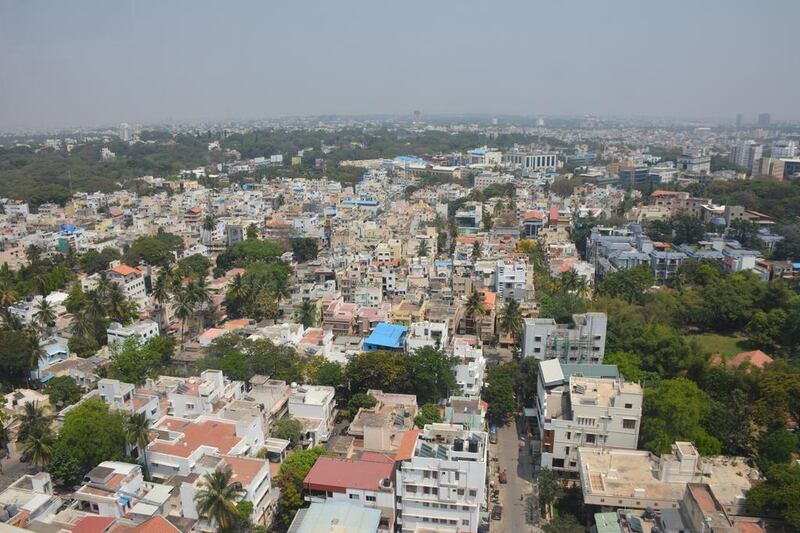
[513, 280]
[336, 516]
[130, 280]
[487, 179]
[426, 333]
[637, 479]
[441, 479]
[470, 366]
[313, 405]
[746, 154]
[145, 329]
[584, 405]
[694, 161]
[583, 341]
[531, 160]
[368, 482]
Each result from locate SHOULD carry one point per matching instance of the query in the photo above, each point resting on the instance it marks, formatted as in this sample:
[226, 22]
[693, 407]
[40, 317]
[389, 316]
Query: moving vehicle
[493, 434]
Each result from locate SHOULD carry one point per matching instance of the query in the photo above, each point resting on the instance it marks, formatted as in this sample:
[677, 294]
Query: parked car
[497, 512]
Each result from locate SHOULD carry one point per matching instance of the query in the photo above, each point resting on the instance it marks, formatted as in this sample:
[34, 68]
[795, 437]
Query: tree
[290, 480]
[91, 434]
[511, 319]
[329, 373]
[423, 248]
[216, 499]
[83, 345]
[527, 379]
[251, 232]
[304, 249]
[287, 428]
[63, 391]
[475, 310]
[428, 414]
[776, 448]
[550, 487]
[150, 250]
[376, 370]
[674, 410]
[477, 250]
[429, 375]
[629, 284]
[195, 265]
[75, 299]
[33, 418]
[184, 308]
[498, 392]
[133, 361]
[35, 435]
[93, 261]
[137, 433]
[307, 315]
[778, 495]
[45, 314]
[361, 400]
[628, 363]
[17, 357]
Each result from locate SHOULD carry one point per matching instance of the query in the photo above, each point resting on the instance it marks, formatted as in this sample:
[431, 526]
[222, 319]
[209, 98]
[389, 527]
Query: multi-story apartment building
[584, 406]
[441, 479]
[583, 341]
[665, 264]
[514, 280]
[746, 154]
[313, 404]
[426, 333]
[367, 482]
[470, 366]
[130, 280]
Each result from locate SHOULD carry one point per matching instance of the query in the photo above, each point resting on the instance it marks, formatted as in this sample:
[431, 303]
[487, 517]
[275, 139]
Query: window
[329, 494]
[426, 504]
[465, 522]
[569, 435]
[456, 474]
[370, 498]
[434, 491]
[590, 438]
[460, 492]
[354, 497]
[537, 350]
[473, 493]
[426, 474]
[465, 507]
[426, 490]
[629, 423]
[411, 488]
[537, 338]
[628, 406]
[566, 450]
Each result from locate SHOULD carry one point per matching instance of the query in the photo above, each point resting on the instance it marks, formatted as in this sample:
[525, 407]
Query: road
[516, 461]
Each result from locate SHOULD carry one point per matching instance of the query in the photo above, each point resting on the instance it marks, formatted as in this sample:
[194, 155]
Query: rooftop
[333, 473]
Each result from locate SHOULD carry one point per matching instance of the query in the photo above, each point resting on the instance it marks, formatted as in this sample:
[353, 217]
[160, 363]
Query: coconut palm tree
[202, 297]
[33, 417]
[137, 433]
[37, 448]
[8, 295]
[511, 319]
[476, 250]
[117, 304]
[184, 308]
[45, 314]
[475, 310]
[423, 248]
[161, 294]
[216, 500]
[307, 314]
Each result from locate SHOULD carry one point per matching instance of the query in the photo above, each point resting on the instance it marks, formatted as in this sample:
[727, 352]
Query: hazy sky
[102, 62]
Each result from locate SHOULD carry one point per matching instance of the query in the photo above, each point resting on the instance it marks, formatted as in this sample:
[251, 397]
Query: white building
[584, 341]
[485, 156]
[514, 280]
[487, 179]
[130, 279]
[441, 480]
[746, 154]
[426, 333]
[367, 482]
[574, 410]
[471, 365]
[313, 405]
[531, 160]
[145, 329]
[195, 396]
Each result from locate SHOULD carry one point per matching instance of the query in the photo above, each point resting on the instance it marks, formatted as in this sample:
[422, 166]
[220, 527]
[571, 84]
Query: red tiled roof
[756, 358]
[407, 445]
[214, 433]
[93, 524]
[125, 270]
[157, 524]
[244, 469]
[335, 474]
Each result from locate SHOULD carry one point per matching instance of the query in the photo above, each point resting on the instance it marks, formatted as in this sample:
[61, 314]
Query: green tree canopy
[63, 391]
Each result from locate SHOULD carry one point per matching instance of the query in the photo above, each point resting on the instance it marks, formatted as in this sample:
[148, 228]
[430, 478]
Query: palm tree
[476, 250]
[423, 248]
[117, 304]
[161, 294]
[184, 308]
[475, 309]
[137, 433]
[8, 295]
[33, 417]
[37, 448]
[511, 319]
[307, 314]
[45, 314]
[217, 497]
[201, 295]
[103, 285]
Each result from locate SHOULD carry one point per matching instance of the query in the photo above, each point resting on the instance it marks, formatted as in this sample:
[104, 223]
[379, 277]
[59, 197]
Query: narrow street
[516, 461]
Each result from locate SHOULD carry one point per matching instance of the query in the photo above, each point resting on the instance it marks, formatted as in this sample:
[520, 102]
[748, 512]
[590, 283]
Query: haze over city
[94, 62]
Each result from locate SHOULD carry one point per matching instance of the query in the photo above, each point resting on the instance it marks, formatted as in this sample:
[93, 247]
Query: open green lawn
[727, 345]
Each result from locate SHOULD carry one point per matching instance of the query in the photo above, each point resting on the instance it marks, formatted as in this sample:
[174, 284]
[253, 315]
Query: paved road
[517, 463]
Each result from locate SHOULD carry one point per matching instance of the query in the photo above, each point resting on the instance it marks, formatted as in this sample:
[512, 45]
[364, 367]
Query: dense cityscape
[413, 267]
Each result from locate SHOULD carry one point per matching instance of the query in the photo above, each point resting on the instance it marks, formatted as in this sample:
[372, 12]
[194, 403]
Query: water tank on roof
[473, 445]
[458, 445]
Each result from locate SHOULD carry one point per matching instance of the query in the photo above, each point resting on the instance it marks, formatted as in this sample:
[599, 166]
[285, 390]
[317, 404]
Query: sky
[89, 63]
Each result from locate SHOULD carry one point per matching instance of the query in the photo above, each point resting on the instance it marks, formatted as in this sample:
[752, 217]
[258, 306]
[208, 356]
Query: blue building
[386, 336]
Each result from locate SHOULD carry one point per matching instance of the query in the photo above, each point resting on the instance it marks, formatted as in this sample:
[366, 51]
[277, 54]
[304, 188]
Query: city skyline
[89, 63]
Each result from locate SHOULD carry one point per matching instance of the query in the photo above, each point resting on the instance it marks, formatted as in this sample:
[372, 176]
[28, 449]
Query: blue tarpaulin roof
[388, 335]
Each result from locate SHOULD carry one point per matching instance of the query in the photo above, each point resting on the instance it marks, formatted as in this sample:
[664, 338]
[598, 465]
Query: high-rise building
[764, 119]
[583, 341]
[746, 154]
[124, 132]
[784, 149]
[738, 121]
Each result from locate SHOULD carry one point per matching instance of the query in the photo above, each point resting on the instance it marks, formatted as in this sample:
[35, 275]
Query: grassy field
[727, 345]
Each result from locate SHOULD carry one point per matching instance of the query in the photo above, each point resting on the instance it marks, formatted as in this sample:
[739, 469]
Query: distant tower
[494, 121]
[738, 121]
[124, 132]
[540, 122]
[764, 120]
[417, 115]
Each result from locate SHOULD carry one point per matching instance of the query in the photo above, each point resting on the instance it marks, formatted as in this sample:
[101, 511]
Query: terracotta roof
[125, 270]
[93, 524]
[756, 358]
[407, 445]
[157, 524]
[214, 433]
[244, 469]
[332, 473]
